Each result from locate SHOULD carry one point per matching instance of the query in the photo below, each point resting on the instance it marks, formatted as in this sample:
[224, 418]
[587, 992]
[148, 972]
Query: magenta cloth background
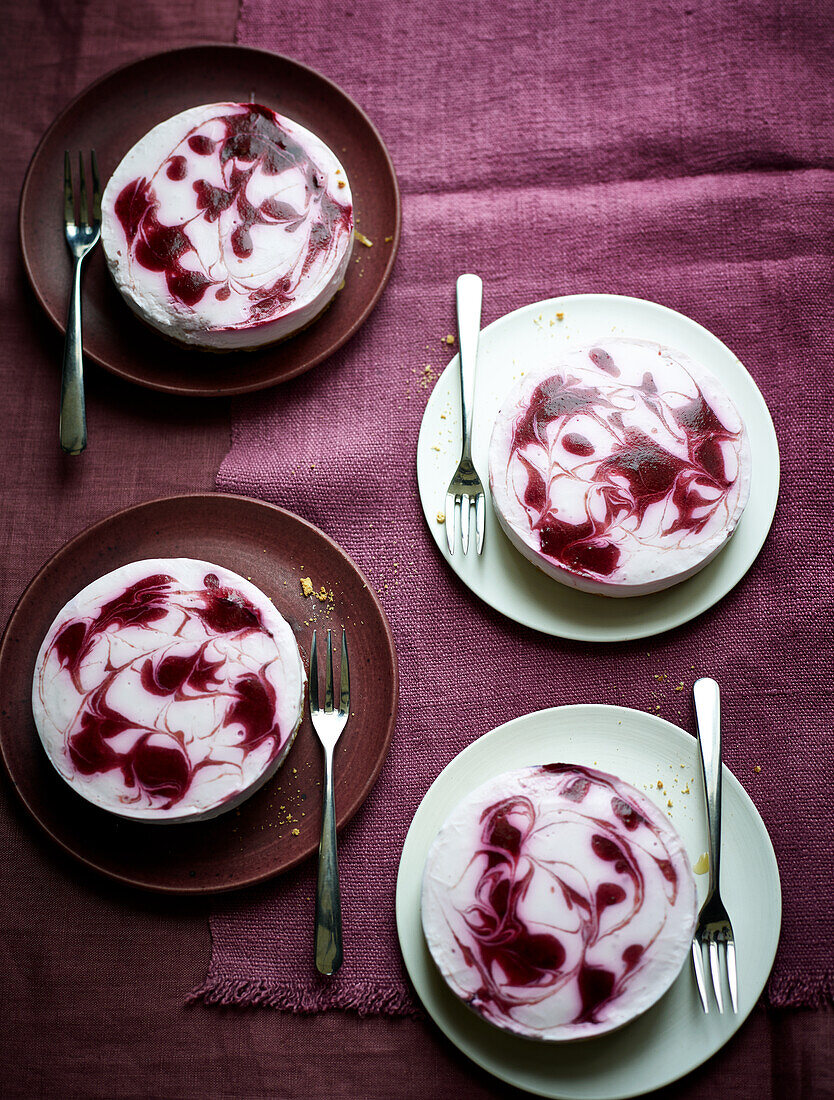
[677, 153]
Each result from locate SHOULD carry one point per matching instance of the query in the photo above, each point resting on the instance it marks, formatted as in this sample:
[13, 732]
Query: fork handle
[469, 294]
[73, 424]
[707, 697]
[328, 897]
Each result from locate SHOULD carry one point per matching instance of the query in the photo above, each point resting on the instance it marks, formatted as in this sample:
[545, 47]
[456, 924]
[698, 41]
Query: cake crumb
[342, 184]
[388, 240]
[758, 769]
[363, 239]
[426, 376]
[660, 784]
[560, 316]
[441, 517]
[448, 339]
[295, 832]
[306, 586]
[669, 803]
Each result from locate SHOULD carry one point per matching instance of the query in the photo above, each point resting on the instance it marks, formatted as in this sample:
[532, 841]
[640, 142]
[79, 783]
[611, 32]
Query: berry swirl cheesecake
[168, 690]
[621, 468]
[228, 226]
[558, 902]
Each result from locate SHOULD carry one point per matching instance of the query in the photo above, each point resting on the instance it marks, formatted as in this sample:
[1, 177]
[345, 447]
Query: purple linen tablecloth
[679, 154]
[93, 974]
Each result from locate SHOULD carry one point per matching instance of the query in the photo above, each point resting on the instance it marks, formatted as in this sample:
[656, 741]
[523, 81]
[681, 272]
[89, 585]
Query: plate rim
[477, 746]
[232, 390]
[198, 890]
[573, 632]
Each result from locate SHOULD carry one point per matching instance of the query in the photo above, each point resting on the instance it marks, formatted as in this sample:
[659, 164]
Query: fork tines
[713, 937]
[459, 508]
[344, 676]
[83, 205]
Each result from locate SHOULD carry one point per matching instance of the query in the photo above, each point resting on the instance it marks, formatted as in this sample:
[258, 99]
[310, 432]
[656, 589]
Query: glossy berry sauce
[156, 760]
[626, 472]
[536, 959]
[569, 885]
[253, 144]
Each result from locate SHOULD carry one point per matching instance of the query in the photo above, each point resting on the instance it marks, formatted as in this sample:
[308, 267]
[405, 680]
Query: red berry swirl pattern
[170, 692]
[562, 904]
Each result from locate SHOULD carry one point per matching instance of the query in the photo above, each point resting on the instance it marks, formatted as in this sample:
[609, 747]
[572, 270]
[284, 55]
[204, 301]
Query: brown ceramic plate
[110, 116]
[279, 825]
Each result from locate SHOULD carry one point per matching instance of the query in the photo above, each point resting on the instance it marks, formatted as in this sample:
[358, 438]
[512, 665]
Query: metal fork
[465, 490]
[328, 724]
[82, 235]
[714, 928]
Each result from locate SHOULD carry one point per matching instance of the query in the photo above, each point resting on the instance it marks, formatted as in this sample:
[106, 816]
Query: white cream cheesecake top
[168, 690]
[621, 468]
[228, 225]
[558, 902]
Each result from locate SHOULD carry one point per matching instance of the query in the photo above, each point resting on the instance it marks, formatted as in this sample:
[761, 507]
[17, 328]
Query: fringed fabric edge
[359, 997]
[790, 991]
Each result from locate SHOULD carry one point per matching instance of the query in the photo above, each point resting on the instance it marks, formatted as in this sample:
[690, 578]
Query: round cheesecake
[621, 468]
[168, 690]
[558, 902]
[228, 226]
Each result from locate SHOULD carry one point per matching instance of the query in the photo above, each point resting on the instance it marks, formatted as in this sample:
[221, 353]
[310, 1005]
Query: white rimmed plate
[673, 1037]
[504, 579]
